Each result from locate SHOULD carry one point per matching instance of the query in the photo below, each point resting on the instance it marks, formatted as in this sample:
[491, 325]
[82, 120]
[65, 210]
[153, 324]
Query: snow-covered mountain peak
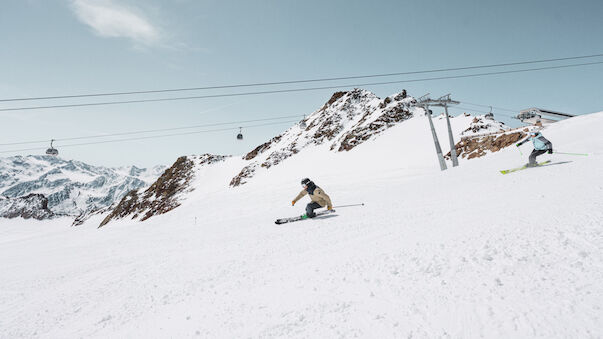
[71, 187]
[483, 124]
[347, 112]
[30, 206]
[345, 121]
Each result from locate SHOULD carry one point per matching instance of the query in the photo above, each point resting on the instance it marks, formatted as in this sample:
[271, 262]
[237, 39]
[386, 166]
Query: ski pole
[519, 149]
[584, 154]
[362, 204]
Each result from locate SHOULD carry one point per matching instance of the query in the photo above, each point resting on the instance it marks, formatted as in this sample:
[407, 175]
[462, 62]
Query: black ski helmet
[305, 181]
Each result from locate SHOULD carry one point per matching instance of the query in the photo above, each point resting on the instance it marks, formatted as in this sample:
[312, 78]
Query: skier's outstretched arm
[299, 196]
[522, 142]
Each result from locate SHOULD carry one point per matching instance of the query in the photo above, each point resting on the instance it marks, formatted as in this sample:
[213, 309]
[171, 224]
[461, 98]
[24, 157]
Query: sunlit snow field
[465, 253]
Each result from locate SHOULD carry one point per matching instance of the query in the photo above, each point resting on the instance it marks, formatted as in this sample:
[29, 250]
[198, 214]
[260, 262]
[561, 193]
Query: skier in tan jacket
[318, 196]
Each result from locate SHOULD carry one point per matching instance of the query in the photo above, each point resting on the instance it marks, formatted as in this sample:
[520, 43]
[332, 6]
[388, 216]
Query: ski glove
[293, 203]
[550, 151]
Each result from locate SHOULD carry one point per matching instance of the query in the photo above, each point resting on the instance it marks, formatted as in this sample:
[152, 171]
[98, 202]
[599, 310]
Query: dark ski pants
[534, 154]
[310, 209]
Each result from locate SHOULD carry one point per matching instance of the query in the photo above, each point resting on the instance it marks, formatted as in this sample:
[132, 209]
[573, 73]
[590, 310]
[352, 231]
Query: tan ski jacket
[319, 196]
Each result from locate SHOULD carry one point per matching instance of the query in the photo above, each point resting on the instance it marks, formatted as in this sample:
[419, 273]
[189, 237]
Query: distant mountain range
[41, 186]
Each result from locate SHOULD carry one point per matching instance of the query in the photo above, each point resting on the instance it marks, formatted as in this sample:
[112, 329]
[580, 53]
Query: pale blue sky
[58, 47]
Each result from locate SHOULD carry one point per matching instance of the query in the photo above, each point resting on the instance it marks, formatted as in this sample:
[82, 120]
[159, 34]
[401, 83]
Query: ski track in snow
[465, 253]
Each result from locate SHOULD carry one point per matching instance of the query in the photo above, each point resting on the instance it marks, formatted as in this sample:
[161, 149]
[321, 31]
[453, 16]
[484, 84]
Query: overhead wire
[268, 92]
[173, 134]
[478, 110]
[296, 89]
[150, 131]
[302, 81]
[152, 136]
[482, 105]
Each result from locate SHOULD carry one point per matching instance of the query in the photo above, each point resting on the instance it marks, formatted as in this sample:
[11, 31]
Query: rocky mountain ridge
[163, 195]
[345, 121]
[30, 206]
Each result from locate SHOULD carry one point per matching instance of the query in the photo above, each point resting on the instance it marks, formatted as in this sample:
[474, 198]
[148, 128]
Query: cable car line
[151, 136]
[150, 131]
[479, 111]
[498, 108]
[297, 89]
[288, 82]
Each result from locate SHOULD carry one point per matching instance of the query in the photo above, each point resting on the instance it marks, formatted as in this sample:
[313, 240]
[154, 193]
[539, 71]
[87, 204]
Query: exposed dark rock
[245, 173]
[30, 206]
[208, 159]
[396, 112]
[164, 194]
[84, 216]
[160, 197]
[476, 147]
[261, 148]
[276, 157]
[328, 129]
[401, 95]
[385, 102]
[334, 98]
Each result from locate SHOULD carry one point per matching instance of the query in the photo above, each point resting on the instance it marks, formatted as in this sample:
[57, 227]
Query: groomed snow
[463, 253]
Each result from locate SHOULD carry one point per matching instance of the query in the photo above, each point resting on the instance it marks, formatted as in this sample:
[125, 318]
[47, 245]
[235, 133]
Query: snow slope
[463, 253]
[347, 120]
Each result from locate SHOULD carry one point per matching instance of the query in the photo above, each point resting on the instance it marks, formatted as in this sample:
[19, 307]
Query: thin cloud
[108, 19]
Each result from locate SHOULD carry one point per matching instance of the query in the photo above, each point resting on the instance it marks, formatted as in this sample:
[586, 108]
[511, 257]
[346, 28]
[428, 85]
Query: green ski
[522, 167]
[302, 217]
